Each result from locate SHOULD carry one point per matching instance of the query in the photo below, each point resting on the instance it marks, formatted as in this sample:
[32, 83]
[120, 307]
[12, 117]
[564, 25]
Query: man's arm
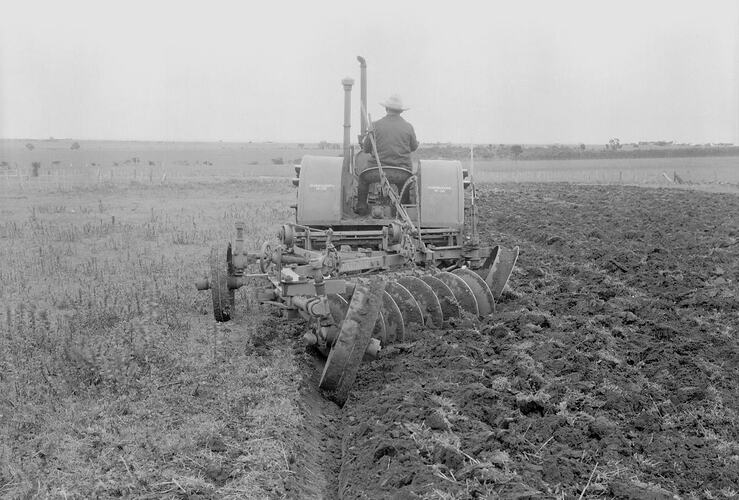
[414, 141]
[366, 144]
[366, 141]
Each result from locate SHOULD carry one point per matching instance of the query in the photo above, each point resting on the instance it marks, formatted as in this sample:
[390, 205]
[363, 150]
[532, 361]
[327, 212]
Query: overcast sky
[483, 72]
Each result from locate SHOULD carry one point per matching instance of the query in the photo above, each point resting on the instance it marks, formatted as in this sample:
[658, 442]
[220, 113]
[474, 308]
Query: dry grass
[114, 379]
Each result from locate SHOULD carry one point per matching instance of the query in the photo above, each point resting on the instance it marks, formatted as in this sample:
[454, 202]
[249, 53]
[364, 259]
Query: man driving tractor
[395, 139]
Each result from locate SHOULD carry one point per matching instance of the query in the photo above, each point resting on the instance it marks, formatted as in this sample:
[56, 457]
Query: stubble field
[610, 368]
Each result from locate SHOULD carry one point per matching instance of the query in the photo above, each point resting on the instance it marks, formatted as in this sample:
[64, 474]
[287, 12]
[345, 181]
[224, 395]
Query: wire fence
[649, 172]
[69, 178]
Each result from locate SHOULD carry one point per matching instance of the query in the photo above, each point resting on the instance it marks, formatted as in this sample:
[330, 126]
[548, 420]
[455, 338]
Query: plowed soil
[610, 368]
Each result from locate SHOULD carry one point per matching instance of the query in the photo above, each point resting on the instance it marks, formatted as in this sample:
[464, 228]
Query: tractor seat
[396, 175]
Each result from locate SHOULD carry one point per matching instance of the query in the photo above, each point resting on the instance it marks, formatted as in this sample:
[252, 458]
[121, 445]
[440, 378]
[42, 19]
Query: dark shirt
[395, 139]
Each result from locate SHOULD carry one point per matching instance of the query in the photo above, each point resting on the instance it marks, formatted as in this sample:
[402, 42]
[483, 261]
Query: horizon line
[211, 141]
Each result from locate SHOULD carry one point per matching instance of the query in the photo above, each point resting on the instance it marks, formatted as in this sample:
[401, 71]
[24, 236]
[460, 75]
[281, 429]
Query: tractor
[362, 281]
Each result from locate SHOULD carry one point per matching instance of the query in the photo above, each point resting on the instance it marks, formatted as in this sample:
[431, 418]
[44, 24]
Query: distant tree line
[613, 150]
[31, 147]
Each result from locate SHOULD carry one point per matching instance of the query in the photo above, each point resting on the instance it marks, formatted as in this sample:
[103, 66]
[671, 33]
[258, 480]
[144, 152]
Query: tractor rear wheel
[223, 297]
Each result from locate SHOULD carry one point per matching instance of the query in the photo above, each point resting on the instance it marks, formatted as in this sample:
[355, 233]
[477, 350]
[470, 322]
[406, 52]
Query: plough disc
[338, 306]
[394, 328]
[223, 296]
[389, 324]
[481, 290]
[347, 352]
[501, 270]
[449, 305]
[380, 330]
[426, 299]
[462, 292]
[409, 308]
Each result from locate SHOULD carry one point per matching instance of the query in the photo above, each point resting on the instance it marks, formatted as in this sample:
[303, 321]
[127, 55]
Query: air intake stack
[348, 83]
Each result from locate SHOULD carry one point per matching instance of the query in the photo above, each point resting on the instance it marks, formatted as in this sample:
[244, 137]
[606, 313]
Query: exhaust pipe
[363, 93]
[348, 83]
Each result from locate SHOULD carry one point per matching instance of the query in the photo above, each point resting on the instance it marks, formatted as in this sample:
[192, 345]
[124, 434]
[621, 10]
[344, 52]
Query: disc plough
[365, 281]
[351, 318]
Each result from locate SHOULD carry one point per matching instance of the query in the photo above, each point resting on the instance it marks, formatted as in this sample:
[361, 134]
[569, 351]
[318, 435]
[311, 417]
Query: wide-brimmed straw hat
[394, 102]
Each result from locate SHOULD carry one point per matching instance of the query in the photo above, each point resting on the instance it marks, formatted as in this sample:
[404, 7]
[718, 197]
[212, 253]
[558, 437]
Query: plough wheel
[449, 305]
[462, 292]
[427, 300]
[265, 257]
[483, 295]
[347, 352]
[409, 308]
[223, 296]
